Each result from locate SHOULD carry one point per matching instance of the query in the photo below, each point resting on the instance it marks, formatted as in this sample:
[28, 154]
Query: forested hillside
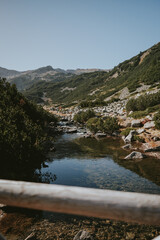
[22, 127]
[143, 69]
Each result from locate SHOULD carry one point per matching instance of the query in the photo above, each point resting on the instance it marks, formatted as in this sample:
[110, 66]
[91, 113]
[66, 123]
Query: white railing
[125, 206]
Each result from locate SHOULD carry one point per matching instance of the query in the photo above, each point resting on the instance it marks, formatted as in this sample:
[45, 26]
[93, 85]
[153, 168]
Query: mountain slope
[7, 73]
[22, 127]
[25, 79]
[143, 69]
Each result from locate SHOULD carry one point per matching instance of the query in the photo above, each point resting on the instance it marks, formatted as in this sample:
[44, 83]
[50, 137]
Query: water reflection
[100, 164]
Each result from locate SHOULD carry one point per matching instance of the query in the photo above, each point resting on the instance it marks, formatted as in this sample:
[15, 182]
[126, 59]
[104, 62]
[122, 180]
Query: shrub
[126, 131]
[83, 117]
[157, 120]
[143, 102]
[107, 125]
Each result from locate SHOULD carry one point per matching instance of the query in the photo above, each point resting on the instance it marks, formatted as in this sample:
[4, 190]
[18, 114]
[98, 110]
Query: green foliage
[22, 125]
[138, 139]
[157, 120]
[89, 104]
[143, 102]
[107, 125]
[126, 131]
[141, 114]
[130, 73]
[83, 117]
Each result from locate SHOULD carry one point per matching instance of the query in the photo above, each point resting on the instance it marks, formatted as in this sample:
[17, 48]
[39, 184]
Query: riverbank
[131, 130]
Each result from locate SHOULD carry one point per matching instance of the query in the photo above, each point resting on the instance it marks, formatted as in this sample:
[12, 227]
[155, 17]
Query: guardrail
[125, 206]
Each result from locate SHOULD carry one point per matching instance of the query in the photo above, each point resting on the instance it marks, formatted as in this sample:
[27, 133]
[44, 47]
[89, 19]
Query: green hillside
[22, 127]
[141, 69]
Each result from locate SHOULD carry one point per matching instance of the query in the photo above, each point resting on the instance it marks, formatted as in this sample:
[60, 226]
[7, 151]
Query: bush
[157, 120]
[143, 102]
[83, 117]
[141, 114]
[107, 125]
[126, 131]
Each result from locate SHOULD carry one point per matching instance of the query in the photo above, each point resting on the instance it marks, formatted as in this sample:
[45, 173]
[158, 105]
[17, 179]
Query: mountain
[25, 79]
[8, 73]
[140, 73]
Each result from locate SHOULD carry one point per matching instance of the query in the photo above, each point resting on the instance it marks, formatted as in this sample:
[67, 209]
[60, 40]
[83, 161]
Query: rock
[150, 124]
[135, 155]
[127, 146]
[52, 149]
[136, 123]
[156, 138]
[116, 134]
[125, 124]
[153, 154]
[100, 135]
[87, 135]
[150, 118]
[128, 139]
[83, 235]
[140, 130]
[151, 147]
[71, 130]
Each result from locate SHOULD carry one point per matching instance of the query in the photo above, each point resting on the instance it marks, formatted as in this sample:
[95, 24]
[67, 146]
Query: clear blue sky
[75, 33]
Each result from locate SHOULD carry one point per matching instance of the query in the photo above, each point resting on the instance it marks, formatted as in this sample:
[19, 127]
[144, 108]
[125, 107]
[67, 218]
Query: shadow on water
[81, 162]
[100, 164]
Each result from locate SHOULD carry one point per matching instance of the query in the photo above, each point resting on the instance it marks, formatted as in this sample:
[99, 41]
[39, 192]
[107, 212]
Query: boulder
[128, 139]
[125, 124]
[136, 123]
[150, 124]
[83, 235]
[156, 138]
[100, 135]
[127, 146]
[140, 130]
[135, 155]
[151, 147]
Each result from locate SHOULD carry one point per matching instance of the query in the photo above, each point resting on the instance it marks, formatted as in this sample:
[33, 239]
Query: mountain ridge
[134, 73]
[24, 79]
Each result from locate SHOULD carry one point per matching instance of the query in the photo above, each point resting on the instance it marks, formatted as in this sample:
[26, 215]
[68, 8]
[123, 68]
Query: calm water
[99, 164]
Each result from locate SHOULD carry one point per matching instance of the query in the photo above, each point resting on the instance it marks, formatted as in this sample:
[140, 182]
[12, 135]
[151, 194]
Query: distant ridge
[138, 73]
[25, 79]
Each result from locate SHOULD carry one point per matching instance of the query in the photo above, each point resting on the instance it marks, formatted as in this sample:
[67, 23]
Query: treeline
[22, 126]
[143, 102]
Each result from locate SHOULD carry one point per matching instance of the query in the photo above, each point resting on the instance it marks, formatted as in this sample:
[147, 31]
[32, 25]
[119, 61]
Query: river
[99, 164]
[87, 162]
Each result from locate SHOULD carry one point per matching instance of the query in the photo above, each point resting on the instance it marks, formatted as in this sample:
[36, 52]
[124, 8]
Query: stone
[128, 139]
[150, 118]
[136, 123]
[156, 138]
[125, 124]
[151, 147]
[127, 146]
[83, 235]
[135, 155]
[150, 124]
[100, 135]
[140, 130]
